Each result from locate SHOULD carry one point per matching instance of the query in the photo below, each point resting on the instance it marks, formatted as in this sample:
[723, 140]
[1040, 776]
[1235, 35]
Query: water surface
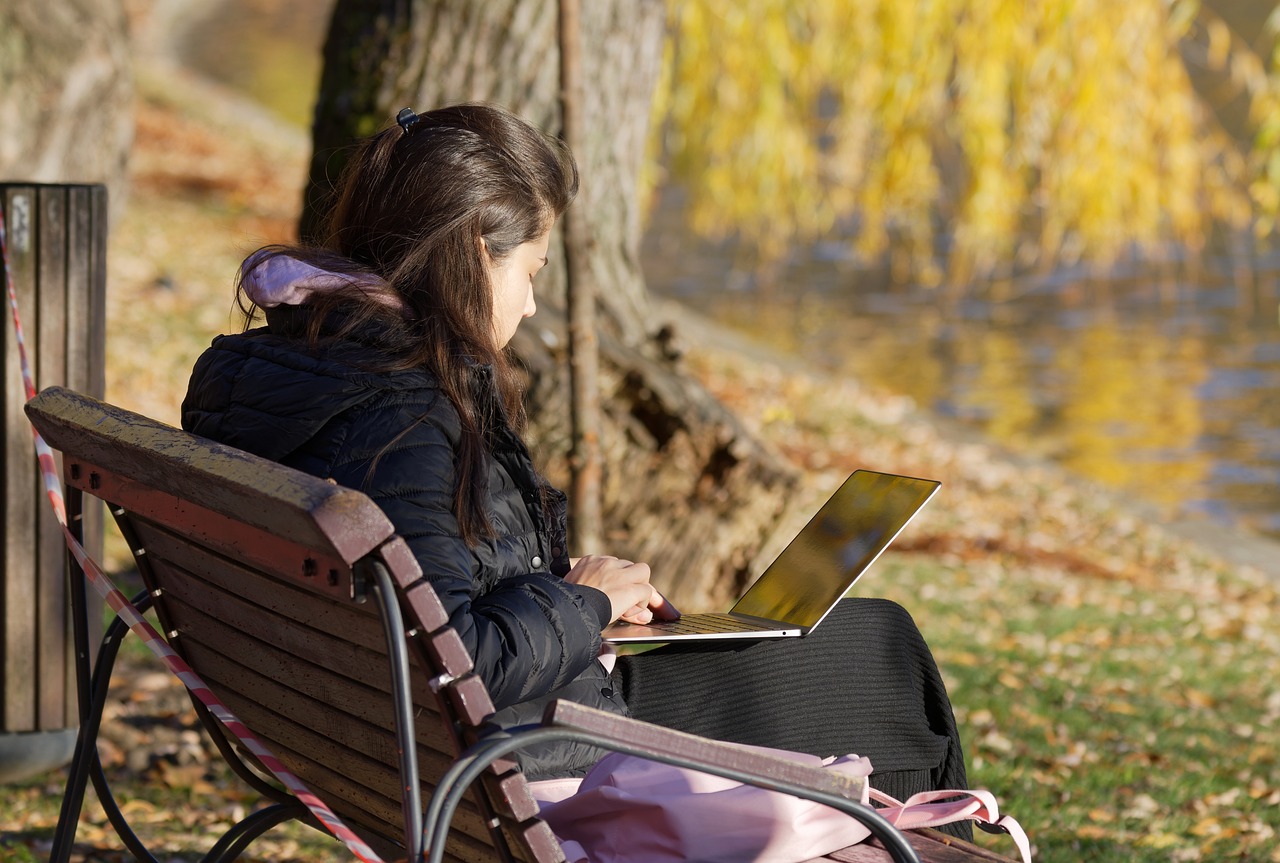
[1164, 385]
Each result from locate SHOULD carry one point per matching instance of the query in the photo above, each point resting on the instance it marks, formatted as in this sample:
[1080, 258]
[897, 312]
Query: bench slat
[258, 625]
[312, 700]
[377, 812]
[368, 784]
[288, 598]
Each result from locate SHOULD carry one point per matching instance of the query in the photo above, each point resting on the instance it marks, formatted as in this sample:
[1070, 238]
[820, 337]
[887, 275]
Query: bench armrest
[566, 720]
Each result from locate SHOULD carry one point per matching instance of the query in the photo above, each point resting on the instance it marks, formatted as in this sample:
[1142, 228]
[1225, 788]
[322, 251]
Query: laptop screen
[842, 540]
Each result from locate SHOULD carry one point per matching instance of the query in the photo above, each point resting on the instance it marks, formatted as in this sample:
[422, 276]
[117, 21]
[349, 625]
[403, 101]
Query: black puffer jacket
[533, 636]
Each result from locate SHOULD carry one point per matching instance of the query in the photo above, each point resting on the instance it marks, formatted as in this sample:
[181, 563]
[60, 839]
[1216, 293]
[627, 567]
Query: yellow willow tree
[1028, 133]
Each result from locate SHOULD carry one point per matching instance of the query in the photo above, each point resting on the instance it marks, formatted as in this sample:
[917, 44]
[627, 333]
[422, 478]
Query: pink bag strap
[935, 808]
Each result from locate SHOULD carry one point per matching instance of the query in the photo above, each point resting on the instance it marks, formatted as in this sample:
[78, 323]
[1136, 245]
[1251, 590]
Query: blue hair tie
[407, 118]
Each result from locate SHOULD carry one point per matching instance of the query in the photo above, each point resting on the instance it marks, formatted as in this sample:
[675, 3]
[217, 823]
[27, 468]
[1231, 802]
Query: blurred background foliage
[1054, 221]
[971, 138]
[958, 139]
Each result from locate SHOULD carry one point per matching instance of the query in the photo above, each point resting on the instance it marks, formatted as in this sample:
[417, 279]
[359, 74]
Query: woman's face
[512, 280]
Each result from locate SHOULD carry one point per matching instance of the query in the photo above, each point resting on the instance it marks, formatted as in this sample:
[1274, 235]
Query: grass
[1114, 685]
[1115, 723]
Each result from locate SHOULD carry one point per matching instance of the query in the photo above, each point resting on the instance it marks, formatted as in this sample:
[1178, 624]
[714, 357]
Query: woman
[382, 367]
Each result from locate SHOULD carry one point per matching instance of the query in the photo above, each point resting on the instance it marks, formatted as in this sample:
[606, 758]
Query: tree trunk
[66, 89]
[586, 465]
[382, 55]
[686, 488]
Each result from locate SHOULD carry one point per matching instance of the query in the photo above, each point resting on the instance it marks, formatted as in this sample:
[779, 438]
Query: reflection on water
[1161, 388]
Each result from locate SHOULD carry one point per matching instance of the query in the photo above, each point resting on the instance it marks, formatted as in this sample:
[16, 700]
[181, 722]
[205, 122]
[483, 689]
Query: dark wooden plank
[343, 750]
[48, 356]
[81, 299]
[324, 704]
[340, 738]
[291, 598]
[307, 680]
[377, 812]
[451, 858]
[17, 512]
[86, 359]
[166, 461]
[366, 783]
[96, 330]
[444, 651]
[86, 266]
[48, 320]
[344, 657]
[474, 845]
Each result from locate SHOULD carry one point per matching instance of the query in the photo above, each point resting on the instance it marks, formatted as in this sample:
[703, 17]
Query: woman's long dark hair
[412, 208]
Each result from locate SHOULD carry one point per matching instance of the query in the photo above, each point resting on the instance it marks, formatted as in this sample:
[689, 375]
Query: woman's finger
[662, 608]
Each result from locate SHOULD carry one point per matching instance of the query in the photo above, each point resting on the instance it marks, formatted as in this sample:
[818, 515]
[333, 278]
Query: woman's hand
[631, 597]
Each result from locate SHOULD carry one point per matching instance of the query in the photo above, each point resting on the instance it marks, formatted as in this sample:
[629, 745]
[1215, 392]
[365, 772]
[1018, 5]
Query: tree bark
[66, 90]
[686, 487]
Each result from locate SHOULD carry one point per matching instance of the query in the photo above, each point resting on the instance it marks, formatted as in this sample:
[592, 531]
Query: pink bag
[631, 810]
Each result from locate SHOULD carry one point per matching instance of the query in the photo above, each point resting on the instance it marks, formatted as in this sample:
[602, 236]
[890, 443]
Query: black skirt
[864, 682]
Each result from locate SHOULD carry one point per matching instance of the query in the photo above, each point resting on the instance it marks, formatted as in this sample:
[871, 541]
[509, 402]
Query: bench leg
[85, 764]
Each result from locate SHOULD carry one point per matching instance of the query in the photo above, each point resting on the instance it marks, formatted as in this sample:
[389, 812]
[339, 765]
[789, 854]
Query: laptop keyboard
[706, 623]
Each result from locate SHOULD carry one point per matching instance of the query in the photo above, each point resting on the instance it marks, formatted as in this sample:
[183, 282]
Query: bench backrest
[260, 575]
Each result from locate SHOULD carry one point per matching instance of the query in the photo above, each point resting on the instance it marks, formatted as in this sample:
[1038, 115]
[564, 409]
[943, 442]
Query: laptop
[814, 571]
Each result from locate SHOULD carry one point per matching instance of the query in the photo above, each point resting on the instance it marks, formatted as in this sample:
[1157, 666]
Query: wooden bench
[301, 609]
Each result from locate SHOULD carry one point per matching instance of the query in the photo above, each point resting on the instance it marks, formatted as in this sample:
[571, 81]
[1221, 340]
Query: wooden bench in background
[56, 239]
[302, 610]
